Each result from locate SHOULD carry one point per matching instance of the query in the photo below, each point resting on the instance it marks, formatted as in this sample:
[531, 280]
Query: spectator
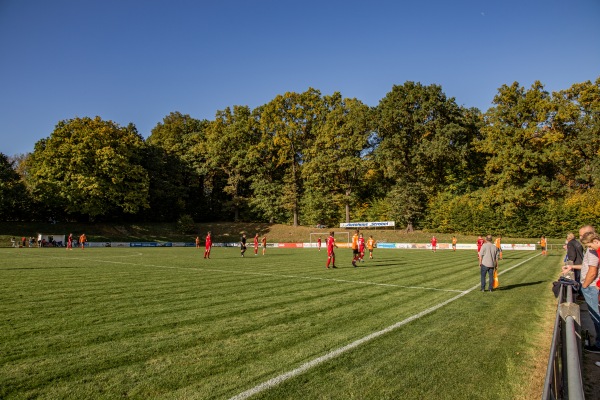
[574, 254]
[489, 262]
[588, 280]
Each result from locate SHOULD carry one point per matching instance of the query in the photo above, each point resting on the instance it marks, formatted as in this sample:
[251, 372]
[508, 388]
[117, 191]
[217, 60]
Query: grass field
[165, 323]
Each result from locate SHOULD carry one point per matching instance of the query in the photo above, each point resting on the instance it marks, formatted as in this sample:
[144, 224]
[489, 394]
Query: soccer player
[243, 244]
[480, 242]
[197, 242]
[264, 244]
[453, 243]
[319, 243]
[499, 246]
[361, 247]
[82, 240]
[207, 245]
[70, 242]
[433, 244]
[256, 244]
[370, 246]
[355, 255]
[543, 245]
[330, 253]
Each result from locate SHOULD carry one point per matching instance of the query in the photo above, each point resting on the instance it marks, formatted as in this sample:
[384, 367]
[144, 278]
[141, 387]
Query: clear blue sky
[137, 61]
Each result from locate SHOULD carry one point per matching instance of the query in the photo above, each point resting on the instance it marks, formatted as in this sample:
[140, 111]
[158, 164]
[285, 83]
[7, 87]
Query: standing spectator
[243, 244]
[207, 245]
[433, 244]
[574, 254]
[489, 262]
[589, 279]
[23, 241]
[13, 241]
[330, 252]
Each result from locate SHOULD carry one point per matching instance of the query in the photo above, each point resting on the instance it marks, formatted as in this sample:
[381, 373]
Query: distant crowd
[49, 241]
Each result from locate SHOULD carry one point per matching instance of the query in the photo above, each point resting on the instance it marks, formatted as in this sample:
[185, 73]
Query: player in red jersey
[256, 244]
[330, 253]
[207, 245]
[361, 247]
[480, 243]
[70, 242]
[433, 244]
[319, 243]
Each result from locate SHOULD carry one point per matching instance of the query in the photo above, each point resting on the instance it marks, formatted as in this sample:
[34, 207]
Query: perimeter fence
[563, 375]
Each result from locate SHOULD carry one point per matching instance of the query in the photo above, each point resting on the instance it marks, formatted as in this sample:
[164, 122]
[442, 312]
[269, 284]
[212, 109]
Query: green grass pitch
[165, 323]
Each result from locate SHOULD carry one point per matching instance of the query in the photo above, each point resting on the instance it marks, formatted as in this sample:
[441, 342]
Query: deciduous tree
[90, 167]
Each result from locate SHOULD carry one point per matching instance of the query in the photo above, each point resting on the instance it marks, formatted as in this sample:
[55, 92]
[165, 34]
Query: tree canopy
[528, 165]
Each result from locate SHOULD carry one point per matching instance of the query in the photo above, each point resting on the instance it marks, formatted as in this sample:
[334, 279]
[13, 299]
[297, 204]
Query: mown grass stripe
[333, 354]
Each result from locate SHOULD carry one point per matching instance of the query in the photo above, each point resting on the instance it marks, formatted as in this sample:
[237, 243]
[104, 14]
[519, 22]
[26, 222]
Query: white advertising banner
[380, 224]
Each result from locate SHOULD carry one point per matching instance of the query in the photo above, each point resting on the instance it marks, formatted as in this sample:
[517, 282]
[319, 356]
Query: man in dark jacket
[574, 254]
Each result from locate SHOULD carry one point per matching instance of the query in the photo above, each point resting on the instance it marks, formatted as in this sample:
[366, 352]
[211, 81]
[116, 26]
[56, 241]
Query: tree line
[529, 165]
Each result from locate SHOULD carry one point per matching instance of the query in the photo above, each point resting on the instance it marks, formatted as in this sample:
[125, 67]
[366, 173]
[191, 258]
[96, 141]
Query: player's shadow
[381, 264]
[518, 285]
[34, 268]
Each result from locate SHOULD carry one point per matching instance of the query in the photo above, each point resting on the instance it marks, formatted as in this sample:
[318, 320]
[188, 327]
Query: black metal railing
[563, 375]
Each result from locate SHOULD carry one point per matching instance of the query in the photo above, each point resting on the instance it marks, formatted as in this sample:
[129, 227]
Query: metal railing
[563, 375]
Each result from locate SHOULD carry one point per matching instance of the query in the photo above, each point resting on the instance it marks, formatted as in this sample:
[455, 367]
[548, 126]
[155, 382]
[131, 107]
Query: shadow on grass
[33, 268]
[518, 285]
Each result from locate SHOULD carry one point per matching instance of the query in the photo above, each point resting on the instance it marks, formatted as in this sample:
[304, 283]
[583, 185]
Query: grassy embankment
[221, 232]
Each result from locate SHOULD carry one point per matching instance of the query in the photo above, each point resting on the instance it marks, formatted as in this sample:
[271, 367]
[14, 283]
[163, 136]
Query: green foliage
[176, 160]
[14, 198]
[288, 120]
[424, 146]
[91, 167]
[526, 166]
[227, 140]
[186, 224]
[333, 167]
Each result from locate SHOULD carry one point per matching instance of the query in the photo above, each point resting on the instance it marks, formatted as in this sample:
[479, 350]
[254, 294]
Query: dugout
[59, 240]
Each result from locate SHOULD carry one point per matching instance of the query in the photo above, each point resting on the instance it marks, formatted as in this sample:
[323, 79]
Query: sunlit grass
[165, 323]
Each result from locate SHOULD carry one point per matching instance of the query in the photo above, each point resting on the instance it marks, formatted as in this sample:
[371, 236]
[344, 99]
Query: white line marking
[261, 274]
[331, 280]
[305, 367]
